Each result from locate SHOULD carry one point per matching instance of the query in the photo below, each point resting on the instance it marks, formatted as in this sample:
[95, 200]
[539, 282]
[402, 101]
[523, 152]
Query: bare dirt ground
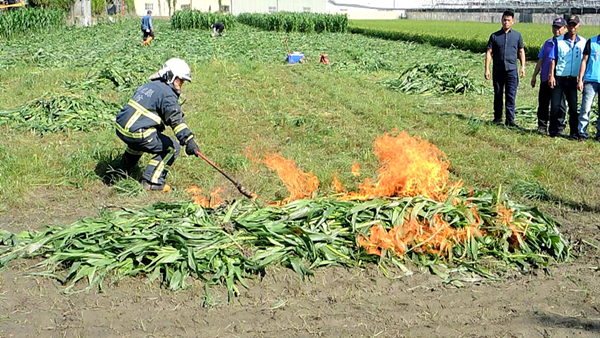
[563, 301]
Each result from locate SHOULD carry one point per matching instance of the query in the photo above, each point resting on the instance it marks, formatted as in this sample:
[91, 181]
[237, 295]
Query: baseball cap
[560, 22]
[573, 19]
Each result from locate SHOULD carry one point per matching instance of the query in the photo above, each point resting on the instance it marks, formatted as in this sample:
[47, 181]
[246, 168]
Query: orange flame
[338, 187]
[199, 199]
[299, 184]
[434, 236]
[355, 169]
[408, 166]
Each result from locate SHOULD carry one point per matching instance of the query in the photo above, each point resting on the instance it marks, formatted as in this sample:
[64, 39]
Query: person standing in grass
[588, 82]
[504, 47]
[147, 28]
[142, 120]
[566, 57]
[559, 27]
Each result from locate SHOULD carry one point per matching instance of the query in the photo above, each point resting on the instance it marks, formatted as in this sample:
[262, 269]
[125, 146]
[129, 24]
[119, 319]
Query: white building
[161, 7]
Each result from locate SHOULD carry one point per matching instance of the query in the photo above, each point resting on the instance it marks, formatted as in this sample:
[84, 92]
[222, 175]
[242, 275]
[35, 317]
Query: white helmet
[174, 68]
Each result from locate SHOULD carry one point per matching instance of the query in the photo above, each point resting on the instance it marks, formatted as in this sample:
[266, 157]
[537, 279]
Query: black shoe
[597, 138]
[497, 122]
[542, 130]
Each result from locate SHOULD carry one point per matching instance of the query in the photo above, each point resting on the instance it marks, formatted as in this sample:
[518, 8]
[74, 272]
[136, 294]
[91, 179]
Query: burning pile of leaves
[410, 217]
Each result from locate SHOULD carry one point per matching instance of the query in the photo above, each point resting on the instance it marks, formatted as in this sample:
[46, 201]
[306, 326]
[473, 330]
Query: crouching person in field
[588, 82]
[217, 28]
[559, 27]
[504, 47]
[143, 119]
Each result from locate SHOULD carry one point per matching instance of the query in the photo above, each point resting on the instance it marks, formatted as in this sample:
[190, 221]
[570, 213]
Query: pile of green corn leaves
[61, 112]
[176, 241]
[433, 77]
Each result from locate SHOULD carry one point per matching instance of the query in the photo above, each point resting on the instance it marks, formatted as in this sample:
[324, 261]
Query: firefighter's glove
[191, 147]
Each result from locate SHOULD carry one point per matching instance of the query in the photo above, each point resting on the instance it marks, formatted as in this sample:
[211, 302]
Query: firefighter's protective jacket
[153, 106]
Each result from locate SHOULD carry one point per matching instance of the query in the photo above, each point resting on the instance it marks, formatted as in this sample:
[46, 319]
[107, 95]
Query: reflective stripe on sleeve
[180, 127]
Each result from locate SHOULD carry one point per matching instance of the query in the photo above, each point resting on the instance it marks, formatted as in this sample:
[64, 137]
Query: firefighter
[143, 119]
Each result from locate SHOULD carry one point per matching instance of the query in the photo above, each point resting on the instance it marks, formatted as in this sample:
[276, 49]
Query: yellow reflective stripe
[143, 134]
[153, 116]
[180, 127]
[188, 138]
[153, 162]
[133, 119]
[133, 152]
[160, 167]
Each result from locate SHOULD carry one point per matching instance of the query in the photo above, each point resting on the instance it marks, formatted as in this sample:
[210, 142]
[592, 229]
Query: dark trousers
[544, 99]
[565, 89]
[505, 80]
[165, 151]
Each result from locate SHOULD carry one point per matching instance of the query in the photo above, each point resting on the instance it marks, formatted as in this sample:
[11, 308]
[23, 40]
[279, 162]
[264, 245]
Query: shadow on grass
[474, 122]
[110, 168]
[553, 320]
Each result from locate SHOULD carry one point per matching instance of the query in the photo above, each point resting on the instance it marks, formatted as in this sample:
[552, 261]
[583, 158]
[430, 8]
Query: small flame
[355, 169]
[199, 199]
[299, 184]
[338, 187]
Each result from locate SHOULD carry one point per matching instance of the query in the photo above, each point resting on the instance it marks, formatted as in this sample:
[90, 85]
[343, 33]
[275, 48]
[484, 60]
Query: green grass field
[471, 36]
[245, 99]
[60, 90]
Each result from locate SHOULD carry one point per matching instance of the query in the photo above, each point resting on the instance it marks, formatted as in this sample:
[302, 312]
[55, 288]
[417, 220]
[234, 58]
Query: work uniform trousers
[505, 81]
[544, 99]
[566, 86]
[165, 150]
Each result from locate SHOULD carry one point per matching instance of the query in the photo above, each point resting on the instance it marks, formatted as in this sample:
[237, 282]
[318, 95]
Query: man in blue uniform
[147, 28]
[588, 83]
[566, 56]
[141, 121]
[559, 27]
[504, 47]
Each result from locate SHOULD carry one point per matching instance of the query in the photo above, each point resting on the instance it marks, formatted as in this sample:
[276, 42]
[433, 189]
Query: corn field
[195, 19]
[29, 20]
[296, 22]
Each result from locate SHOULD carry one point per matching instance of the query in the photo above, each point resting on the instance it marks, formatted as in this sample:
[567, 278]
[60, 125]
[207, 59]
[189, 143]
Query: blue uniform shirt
[568, 55]
[147, 22]
[592, 69]
[505, 49]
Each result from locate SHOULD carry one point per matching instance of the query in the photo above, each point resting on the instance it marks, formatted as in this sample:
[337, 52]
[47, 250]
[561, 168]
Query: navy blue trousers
[565, 87]
[505, 82]
[165, 151]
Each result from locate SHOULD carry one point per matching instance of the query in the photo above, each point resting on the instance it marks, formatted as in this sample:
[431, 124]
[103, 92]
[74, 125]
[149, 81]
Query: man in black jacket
[504, 48]
[142, 120]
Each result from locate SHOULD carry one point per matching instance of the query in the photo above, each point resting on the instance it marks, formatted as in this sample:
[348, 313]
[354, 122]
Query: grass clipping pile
[411, 217]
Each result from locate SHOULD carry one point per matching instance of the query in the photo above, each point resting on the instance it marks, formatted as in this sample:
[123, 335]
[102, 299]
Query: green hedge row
[28, 20]
[296, 22]
[473, 45]
[194, 19]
